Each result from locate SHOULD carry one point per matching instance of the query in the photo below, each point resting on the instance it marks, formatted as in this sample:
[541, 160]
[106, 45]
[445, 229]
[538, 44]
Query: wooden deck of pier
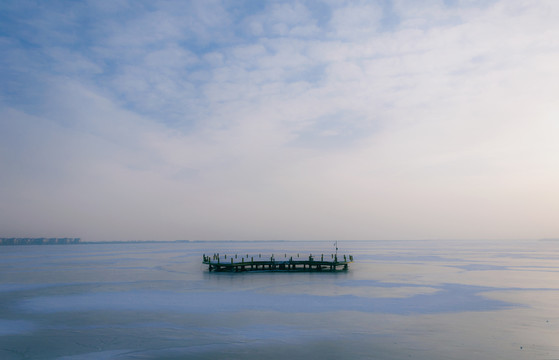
[236, 263]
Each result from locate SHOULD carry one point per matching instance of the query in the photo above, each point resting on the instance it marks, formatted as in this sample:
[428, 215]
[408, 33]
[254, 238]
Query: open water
[399, 300]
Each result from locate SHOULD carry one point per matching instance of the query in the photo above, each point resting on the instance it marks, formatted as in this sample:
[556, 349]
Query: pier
[236, 263]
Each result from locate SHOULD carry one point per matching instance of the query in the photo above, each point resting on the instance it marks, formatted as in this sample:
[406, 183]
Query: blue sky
[251, 120]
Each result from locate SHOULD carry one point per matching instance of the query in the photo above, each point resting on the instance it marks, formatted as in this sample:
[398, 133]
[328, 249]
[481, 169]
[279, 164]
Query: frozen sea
[399, 300]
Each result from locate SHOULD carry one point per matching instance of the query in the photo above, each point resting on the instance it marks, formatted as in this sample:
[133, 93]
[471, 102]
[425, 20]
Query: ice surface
[399, 300]
[10, 327]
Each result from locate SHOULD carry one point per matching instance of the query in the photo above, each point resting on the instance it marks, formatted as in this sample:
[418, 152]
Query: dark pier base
[216, 263]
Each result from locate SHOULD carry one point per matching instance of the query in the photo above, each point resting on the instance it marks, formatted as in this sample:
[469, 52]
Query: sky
[279, 120]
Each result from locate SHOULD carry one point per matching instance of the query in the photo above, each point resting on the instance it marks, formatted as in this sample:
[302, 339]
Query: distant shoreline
[5, 241]
[21, 241]
[77, 241]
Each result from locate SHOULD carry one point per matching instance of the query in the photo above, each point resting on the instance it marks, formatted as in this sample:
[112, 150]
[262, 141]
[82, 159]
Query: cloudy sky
[247, 120]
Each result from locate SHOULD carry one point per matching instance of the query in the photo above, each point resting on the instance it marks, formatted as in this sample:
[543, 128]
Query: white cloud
[283, 19]
[355, 22]
[171, 124]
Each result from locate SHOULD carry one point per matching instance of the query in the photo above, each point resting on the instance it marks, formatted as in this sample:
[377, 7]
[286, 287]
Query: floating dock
[236, 263]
